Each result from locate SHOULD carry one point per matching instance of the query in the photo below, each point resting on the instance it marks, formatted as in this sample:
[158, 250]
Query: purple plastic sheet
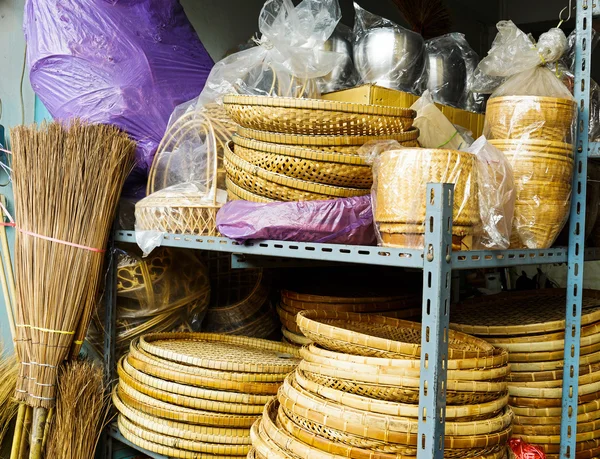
[121, 62]
[337, 221]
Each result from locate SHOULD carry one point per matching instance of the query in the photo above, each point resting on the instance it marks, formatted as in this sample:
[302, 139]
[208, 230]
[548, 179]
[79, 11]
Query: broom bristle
[9, 371]
[430, 18]
[67, 180]
[81, 412]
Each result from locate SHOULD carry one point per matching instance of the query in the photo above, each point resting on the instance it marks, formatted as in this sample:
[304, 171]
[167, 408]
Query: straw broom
[9, 370]
[67, 180]
[81, 412]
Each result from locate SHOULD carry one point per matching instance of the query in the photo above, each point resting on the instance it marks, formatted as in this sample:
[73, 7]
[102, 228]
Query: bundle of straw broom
[8, 381]
[67, 179]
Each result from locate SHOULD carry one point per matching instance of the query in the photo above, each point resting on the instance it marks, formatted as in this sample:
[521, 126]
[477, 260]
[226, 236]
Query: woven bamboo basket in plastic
[342, 144]
[402, 179]
[235, 192]
[413, 236]
[372, 335]
[306, 164]
[530, 117]
[316, 117]
[280, 187]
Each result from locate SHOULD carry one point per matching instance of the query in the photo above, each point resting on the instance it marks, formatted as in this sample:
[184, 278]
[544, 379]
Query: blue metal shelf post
[437, 265]
[583, 61]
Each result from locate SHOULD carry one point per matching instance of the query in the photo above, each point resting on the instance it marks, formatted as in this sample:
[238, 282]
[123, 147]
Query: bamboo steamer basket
[278, 186]
[524, 148]
[342, 144]
[378, 336]
[402, 177]
[413, 236]
[306, 164]
[530, 117]
[290, 115]
[235, 192]
[457, 412]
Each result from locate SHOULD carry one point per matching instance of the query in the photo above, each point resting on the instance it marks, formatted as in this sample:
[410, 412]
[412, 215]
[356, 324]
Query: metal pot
[390, 56]
[447, 78]
[344, 75]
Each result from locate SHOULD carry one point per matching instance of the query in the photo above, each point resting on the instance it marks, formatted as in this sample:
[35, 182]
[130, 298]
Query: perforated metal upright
[583, 63]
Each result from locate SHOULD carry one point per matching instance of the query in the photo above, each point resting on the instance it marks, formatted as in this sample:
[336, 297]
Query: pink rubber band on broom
[40, 236]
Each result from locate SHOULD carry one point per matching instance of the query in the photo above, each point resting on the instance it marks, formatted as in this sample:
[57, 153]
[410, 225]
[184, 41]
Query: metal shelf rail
[437, 261]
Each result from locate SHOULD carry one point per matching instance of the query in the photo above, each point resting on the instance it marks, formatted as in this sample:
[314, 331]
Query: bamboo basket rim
[325, 299]
[265, 446]
[323, 140]
[243, 194]
[188, 431]
[298, 184]
[295, 338]
[318, 104]
[152, 406]
[537, 402]
[529, 99]
[484, 374]
[225, 400]
[520, 367]
[141, 355]
[499, 358]
[555, 375]
[586, 378]
[404, 382]
[551, 427]
[369, 430]
[311, 321]
[181, 443]
[554, 439]
[544, 356]
[166, 450]
[529, 144]
[552, 392]
[500, 310]
[524, 343]
[394, 408]
[299, 152]
[584, 408]
[284, 357]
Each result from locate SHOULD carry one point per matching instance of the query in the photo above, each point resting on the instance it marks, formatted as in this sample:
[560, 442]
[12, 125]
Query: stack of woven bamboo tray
[530, 325]
[355, 394]
[190, 395]
[290, 149]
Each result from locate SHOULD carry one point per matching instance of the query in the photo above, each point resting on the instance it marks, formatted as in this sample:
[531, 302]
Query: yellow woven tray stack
[402, 178]
[289, 149]
[535, 135]
[189, 395]
[355, 394]
[530, 325]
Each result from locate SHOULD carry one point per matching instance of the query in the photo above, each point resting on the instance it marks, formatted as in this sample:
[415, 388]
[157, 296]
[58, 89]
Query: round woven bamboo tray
[530, 117]
[396, 393]
[521, 313]
[378, 303]
[342, 144]
[553, 412]
[379, 336]
[499, 358]
[236, 192]
[548, 355]
[299, 340]
[222, 352]
[553, 429]
[462, 412]
[486, 374]
[412, 236]
[384, 428]
[278, 186]
[398, 314]
[166, 450]
[154, 407]
[587, 378]
[553, 376]
[555, 439]
[186, 431]
[548, 402]
[192, 397]
[402, 179]
[182, 444]
[294, 306]
[585, 418]
[316, 117]
[552, 365]
[265, 447]
[288, 320]
[582, 448]
[551, 392]
[305, 164]
[227, 316]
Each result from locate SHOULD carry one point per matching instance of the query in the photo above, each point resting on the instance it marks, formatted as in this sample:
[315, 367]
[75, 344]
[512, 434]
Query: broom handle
[37, 434]
[24, 446]
[6, 275]
[16, 445]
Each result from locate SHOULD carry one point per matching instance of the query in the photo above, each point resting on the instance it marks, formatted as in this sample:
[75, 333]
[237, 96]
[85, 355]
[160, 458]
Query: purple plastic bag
[122, 62]
[337, 221]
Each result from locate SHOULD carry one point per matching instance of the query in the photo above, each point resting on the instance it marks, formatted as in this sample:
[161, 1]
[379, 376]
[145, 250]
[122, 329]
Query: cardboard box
[378, 95]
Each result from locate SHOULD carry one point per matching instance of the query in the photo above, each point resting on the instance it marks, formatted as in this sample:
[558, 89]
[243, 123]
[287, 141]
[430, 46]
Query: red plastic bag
[523, 450]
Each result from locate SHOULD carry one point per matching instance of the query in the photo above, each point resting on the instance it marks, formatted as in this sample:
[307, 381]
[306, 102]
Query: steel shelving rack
[437, 261]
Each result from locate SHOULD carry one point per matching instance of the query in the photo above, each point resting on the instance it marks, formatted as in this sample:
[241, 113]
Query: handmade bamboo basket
[530, 117]
[235, 192]
[341, 144]
[402, 177]
[316, 117]
[413, 236]
[306, 164]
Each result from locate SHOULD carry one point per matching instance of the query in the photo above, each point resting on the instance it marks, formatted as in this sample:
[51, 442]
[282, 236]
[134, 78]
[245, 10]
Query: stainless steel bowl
[447, 79]
[390, 57]
[344, 75]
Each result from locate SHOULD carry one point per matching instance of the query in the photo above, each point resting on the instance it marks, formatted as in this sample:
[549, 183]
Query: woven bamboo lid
[521, 313]
[222, 352]
[372, 335]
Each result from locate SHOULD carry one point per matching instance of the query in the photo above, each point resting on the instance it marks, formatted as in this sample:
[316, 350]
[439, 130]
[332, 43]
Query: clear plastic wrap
[435, 130]
[336, 221]
[446, 69]
[496, 193]
[386, 54]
